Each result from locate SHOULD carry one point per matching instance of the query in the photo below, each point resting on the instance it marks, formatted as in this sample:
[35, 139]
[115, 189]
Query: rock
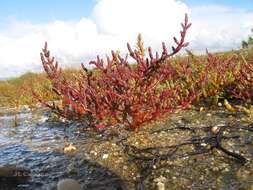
[201, 109]
[105, 156]
[68, 184]
[93, 152]
[25, 108]
[69, 148]
[161, 186]
[160, 182]
[43, 119]
[215, 129]
[228, 106]
[71, 169]
[203, 144]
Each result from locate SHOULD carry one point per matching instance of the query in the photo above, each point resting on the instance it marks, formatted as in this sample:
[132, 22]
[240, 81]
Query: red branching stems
[208, 76]
[218, 73]
[244, 81]
[119, 93]
[154, 62]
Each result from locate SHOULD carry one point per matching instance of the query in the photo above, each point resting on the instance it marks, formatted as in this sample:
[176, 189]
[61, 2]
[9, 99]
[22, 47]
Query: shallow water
[27, 140]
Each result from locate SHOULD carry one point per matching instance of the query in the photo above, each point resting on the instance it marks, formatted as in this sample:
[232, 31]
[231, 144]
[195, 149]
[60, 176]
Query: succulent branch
[116, 92]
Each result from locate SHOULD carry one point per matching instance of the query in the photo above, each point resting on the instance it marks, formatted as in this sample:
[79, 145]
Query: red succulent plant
[116, 92]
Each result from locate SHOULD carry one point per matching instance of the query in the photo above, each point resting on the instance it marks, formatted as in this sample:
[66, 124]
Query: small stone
[201, 109]
[105, 156]
[68, 184]
[25, 108]
[215, 169]
[203, 144]
[219, 104]
[215, 129]
[71, 169]
[43, 119]
[209, 115]
[93, 152]
[63, 120]
[161, 186]
[69, 148]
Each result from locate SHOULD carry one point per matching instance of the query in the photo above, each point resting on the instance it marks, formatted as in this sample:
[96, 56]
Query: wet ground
[101, 162]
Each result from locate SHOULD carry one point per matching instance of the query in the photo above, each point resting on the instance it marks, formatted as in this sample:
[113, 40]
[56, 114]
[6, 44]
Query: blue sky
[245, 4]
[40, 11]
[78, 30]
[45, 10]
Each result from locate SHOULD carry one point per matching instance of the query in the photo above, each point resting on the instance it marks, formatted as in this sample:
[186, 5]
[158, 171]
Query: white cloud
[115, 22]
[124, 17]
[219, 27]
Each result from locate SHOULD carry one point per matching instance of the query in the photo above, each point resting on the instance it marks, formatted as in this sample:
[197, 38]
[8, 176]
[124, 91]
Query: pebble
[105, 156]
[201, 109]
[215, 129]
[43, 119]
[160, 182]
[215, 169]
[71, 169]
[68, 184]
[69, 148]
[93, 152]
[160, 185]
[116, 154]
[25, 108]
[203, 144]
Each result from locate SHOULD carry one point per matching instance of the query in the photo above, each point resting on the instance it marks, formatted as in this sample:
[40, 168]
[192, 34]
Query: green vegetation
[19, 91]
[248, 43]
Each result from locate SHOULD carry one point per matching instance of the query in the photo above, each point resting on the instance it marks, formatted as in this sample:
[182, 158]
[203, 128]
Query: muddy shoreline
[101, 161]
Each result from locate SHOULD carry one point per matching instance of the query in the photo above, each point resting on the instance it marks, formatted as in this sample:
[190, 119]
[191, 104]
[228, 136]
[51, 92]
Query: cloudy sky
[78, 30]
